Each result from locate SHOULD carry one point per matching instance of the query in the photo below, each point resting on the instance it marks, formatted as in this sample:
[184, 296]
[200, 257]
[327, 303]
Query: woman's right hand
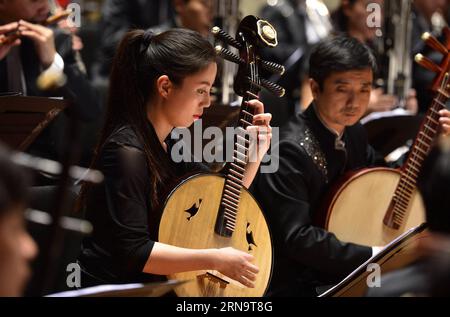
[236, 265]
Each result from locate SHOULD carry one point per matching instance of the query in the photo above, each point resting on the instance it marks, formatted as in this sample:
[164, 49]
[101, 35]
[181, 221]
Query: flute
[10, 37]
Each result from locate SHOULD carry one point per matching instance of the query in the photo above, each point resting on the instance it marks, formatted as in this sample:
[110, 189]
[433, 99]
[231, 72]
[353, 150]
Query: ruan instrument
[212, 211]
[374, 206]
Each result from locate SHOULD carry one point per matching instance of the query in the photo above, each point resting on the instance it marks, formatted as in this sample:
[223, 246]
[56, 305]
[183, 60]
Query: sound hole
[250, 238]
[194, 209]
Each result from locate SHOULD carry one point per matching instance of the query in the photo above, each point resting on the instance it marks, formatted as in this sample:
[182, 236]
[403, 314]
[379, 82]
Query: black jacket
[305, 255]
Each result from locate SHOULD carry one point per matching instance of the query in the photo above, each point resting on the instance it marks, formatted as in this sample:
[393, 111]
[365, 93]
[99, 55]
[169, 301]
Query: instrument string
[405, 190]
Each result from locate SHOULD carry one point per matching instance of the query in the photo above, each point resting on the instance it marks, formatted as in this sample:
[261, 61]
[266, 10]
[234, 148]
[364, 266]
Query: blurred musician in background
[122, 15]
[300, 24]
[351, 18]
[17, 248]
[40, 49]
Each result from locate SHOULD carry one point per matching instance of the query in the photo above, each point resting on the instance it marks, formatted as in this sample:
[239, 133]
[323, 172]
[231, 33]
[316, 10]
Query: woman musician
[158, 82]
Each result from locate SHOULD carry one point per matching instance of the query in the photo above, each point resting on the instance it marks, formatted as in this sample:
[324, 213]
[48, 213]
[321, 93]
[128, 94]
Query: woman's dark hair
[339, 19]
[434, 185]
[14, 183]
[339, 54]
[140, 60]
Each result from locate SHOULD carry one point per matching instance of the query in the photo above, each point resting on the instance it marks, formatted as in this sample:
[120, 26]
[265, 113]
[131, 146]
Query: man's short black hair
[339, 54]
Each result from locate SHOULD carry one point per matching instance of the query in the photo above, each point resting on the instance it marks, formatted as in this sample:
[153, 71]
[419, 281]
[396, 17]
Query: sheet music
[124, 290]
[384, 114]
[97, 290]
[373, 259]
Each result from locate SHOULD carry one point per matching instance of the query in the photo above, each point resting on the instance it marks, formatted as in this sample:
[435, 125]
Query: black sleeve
[126, 191]
[284, 196]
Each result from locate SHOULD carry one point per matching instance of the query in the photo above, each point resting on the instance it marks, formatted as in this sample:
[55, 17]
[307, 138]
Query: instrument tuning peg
[272, 67]
[427, 63]
[220, 34]
[273, 88]
[447, 36]
[228, 55]
[432, 42]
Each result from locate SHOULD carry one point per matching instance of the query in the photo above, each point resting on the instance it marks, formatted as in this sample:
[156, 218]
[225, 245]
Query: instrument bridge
[209, 277]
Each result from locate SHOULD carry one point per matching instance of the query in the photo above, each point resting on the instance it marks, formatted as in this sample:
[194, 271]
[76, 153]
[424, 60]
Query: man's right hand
[6, 47]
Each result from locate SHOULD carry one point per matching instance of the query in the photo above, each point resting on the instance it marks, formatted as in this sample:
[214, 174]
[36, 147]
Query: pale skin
[5, 48]
[17, 250]
[179, 106]
[345, 96]
[357, 15]
[196, 15]
[24, 16]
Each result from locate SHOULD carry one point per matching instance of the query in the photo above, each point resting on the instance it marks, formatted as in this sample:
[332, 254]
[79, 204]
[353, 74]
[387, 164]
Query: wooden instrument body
[357, 210]
[201, 195]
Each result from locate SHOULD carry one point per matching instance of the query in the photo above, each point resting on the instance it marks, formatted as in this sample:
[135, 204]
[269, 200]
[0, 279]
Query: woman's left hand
[260, 131]
[444, 120]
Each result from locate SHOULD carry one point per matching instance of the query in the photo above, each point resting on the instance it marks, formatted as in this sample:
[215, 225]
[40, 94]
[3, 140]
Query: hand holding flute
[43, 39]
[7, 42]
[41, 35]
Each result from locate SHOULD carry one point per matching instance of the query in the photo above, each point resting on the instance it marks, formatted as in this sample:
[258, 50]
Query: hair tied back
[147, 37]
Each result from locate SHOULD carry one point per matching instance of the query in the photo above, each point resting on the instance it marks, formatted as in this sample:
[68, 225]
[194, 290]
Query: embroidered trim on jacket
[309, 142]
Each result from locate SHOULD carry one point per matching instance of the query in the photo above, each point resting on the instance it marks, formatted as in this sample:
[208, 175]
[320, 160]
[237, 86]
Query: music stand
[155, 289]
[22, 119]
[397, 254]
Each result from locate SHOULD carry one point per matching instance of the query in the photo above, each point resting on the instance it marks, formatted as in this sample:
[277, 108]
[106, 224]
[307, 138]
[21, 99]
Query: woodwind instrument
[14, 35]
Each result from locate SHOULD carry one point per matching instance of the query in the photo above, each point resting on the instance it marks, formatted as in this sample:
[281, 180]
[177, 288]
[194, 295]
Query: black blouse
[124, 220]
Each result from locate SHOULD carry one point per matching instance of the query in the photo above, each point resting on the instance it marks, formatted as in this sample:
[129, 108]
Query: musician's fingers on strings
[255, 130]
[246, 277]
[256, 105]
[250, 276]
[262, 119]
[444, 120]
[244, 281]
[252, 268]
